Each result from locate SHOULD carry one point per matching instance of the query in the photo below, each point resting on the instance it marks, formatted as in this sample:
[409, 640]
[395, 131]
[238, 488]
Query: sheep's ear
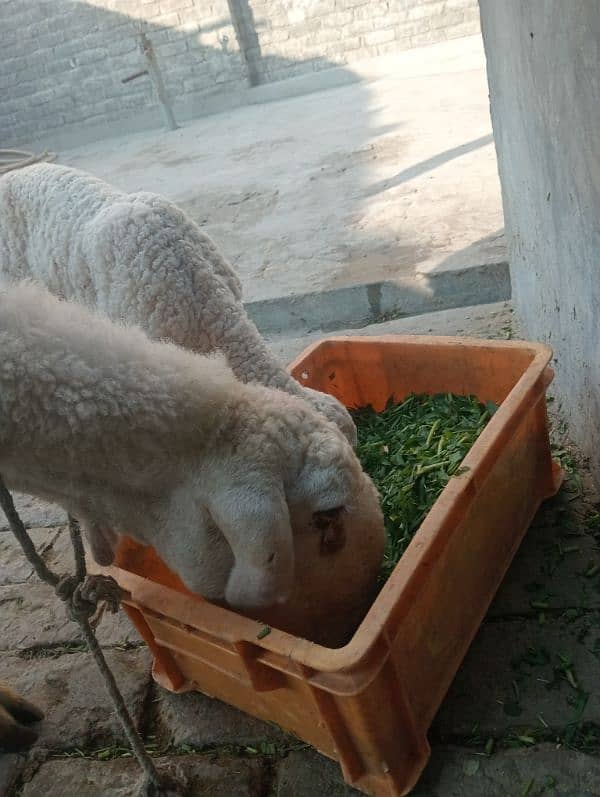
[254, 519]
[324, 517]
[330, 524]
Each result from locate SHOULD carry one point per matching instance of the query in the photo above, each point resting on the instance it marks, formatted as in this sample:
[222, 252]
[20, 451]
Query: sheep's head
[330, 524]
[338, 555]
[287, 493]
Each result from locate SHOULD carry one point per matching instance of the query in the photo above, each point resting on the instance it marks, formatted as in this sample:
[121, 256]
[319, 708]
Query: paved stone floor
[521, 718]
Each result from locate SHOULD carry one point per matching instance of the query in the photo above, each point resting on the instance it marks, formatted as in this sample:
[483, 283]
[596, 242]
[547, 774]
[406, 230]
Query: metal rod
[156, 78]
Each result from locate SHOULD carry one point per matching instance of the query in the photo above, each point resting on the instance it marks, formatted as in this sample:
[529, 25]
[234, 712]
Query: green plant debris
[411, 450]
[53, 651]
[262, 748]
[471, 767]
[526, 790]
[263, 632]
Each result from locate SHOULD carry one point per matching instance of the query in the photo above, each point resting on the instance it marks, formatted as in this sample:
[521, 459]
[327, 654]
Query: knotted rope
[83, 594]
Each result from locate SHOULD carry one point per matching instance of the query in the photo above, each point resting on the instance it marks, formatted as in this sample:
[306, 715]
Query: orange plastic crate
[369, 704]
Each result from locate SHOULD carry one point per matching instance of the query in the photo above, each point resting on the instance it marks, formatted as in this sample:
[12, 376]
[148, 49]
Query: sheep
[144, 438]
[137, 258]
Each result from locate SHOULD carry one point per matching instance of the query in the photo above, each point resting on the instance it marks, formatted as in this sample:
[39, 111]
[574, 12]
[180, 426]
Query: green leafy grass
[411, 450]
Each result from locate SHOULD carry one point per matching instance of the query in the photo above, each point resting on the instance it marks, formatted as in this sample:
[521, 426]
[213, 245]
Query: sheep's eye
[325, 517]
[333, 533]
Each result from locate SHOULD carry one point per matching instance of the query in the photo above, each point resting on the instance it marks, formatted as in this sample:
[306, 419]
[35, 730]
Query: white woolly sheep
[146, 439]
[137, 258]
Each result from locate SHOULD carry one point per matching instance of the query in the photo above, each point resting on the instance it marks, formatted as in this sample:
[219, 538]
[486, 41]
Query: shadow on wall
[64, 61]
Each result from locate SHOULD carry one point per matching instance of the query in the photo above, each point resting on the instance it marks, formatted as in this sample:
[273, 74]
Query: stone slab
[305, 773]
[14, 567]
[71, 692]
[10, 766]
[224, 777]
[32, 616]
[35, 513]
[549, 570]
[543, 770]
[198, 720]
[459, 772]
[511, 678]
[358, 306]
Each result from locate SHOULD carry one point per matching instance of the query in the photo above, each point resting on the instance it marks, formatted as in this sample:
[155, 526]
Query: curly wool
[141, 437]
[137, 258]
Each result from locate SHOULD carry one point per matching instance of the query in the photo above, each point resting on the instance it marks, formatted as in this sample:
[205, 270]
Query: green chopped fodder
[411, 450]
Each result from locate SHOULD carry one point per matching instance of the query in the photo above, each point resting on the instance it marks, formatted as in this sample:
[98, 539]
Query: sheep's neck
[247, 353]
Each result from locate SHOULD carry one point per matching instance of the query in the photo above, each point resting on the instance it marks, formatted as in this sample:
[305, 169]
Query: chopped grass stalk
[411, 450]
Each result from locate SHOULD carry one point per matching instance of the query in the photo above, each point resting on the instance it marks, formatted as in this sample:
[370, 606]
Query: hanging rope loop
[84, 596]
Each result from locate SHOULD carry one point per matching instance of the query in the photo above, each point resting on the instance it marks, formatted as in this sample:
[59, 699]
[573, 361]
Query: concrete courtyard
[390, 177]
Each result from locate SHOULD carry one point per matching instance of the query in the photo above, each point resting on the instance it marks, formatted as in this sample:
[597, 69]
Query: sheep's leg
[257, 527]
[103, 545]
[102, 542]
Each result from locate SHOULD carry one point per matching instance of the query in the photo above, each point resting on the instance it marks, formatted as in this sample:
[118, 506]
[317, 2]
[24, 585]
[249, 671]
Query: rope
[17, 159]
[82, 593]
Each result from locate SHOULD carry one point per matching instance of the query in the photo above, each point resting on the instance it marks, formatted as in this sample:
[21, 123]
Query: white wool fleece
[141, 437]
[137, 258]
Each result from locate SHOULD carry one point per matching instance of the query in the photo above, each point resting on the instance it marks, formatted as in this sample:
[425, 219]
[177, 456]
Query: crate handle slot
[262, 677]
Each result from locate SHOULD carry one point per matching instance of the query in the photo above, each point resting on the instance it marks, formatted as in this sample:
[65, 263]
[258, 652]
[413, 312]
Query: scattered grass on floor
[263, 749]
[52, 651]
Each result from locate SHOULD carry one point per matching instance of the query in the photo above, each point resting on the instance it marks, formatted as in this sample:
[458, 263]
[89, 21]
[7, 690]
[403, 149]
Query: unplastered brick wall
[62, 62]
[321, 33]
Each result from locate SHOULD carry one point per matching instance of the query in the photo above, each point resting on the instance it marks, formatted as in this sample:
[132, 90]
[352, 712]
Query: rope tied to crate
[84, 595]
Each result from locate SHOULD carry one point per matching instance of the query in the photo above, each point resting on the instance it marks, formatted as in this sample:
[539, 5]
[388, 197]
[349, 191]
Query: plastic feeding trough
[369, 704]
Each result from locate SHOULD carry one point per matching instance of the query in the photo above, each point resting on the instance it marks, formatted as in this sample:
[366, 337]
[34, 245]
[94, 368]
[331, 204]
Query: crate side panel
[432, 639]
[292, 706]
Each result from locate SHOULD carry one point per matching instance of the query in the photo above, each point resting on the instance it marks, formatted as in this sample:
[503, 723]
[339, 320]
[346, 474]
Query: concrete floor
[390, 176]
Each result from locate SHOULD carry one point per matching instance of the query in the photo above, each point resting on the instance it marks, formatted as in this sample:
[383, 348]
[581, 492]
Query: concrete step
[494, 320]
[358, 306]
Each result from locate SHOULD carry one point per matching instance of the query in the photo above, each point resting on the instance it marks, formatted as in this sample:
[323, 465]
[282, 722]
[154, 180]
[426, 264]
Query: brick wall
[62, 61]
[320, 33]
